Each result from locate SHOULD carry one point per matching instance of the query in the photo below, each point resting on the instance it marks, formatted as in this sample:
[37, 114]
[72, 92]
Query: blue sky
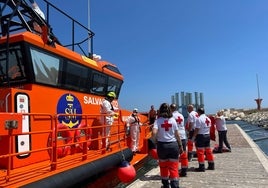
[167, 46]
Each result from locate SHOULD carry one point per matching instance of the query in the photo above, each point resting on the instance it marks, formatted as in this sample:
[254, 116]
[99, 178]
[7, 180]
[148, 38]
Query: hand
[115, 115]
[187, 134]
[128, 130]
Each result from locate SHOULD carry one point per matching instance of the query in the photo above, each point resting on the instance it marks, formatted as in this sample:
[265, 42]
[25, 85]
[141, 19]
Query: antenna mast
[258, 86]
[258, 100]
[88, 23]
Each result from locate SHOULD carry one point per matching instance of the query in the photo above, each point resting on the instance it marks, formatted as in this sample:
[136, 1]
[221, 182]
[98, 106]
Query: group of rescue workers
[173, 137]
[175, 140]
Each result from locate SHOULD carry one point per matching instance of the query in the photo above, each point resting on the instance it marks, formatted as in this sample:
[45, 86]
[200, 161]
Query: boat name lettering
[92, 100]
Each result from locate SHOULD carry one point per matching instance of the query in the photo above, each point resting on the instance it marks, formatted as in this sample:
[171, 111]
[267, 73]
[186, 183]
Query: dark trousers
[151, 120]
[223, 139]
[167, 150]
[184, 144]
[202, 141]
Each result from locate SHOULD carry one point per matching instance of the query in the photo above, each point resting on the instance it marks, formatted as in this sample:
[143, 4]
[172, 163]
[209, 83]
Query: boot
[194, 154]
[201, 168]
[165, 183]
[211, 166]
[190, 156]
[183, 172]
[219, 150]
[174, 184]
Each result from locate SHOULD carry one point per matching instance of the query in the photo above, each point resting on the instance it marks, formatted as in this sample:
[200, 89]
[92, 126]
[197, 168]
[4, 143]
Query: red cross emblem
[179, 120]
[166, 125]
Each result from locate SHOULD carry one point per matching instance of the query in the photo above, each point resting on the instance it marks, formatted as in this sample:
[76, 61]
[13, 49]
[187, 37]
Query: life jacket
[137, 120]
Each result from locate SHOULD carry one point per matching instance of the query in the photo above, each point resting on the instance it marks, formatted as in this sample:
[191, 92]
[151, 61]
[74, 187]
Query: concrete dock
[246, 166]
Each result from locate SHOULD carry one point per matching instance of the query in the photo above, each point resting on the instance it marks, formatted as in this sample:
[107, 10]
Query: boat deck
[79, 155]
[246, 166]
[43, 169]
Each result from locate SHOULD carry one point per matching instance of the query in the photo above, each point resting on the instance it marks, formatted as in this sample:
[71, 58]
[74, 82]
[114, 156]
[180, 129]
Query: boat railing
[17, 16]
[76, 27]
[53, 145]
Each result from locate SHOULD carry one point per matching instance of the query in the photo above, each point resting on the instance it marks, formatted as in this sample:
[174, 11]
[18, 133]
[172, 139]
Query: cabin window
[75, 76]
[53, 70]
[114, 85]
[99, 81]
[112, 68]
[11, 66]
[46, 67]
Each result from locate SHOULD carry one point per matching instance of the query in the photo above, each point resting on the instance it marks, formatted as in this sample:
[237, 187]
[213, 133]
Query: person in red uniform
[191, 121]
[166, 134]
[180, 122]
[202, 141]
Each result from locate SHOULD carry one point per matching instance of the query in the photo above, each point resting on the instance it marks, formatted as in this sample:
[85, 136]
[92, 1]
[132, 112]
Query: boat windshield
[46, 67]
[24, 63]
[12, 68]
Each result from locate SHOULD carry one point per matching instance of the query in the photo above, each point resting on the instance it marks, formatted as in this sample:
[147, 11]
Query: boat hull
[83, 173]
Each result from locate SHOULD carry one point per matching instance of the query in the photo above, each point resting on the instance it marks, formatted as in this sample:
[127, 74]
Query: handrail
[22, 17]
[90, 33]
[53, 142]
[45, 130]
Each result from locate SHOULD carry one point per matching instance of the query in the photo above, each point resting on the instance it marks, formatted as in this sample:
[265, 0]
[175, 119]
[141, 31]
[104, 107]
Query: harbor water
[258, 134]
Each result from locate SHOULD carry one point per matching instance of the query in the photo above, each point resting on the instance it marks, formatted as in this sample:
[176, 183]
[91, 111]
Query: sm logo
[70, 106]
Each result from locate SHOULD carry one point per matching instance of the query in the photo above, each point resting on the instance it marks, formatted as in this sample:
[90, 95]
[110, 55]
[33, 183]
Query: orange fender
[68, 139]
[212, 128]
[80, 133]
